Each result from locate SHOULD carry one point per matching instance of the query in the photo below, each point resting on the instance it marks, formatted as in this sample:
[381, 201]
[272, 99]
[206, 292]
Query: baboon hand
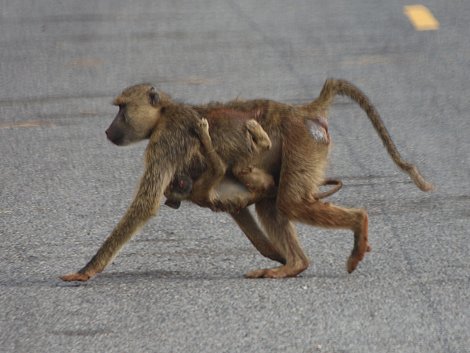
[77, 276]
[203, 126]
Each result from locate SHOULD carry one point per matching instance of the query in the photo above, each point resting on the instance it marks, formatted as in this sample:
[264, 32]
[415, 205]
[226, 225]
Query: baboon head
[139, 111]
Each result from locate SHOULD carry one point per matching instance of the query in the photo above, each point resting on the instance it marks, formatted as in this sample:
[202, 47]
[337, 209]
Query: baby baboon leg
[254, 179]
[283, 236]
[327, 215]
[259, 137]
[248, 225]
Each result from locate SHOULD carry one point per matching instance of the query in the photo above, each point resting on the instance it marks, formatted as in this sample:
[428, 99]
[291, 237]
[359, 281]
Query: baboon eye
[153, 96]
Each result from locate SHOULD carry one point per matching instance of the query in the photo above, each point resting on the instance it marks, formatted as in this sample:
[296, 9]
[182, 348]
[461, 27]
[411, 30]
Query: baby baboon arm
[217, 166]
[203, 188]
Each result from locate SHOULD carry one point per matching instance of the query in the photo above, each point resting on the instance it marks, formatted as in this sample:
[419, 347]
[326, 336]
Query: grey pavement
[178, 286]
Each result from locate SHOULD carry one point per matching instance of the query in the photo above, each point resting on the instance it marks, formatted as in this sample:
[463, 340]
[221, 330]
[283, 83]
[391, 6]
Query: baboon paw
[264, 144]
[258, 136]
[352, 264]
[354, 260]
[278, 272]
[81, 277]
[257, 189]
[252, 125]
[257, 273]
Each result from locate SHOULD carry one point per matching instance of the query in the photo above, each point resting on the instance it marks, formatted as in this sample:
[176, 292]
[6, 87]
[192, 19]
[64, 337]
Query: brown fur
[204, 192]
[297, 161]
[205, 189]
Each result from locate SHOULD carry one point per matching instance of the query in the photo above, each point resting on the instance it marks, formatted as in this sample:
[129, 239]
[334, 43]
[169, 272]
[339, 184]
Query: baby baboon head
[139, 111]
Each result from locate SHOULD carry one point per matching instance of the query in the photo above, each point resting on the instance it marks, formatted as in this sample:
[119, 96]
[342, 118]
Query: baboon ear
[154, 97]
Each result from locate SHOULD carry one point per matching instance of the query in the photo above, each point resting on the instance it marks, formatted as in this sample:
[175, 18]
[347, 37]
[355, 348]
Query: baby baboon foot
[267, 183]
[264, 144]
[255, 180]
[277, 272]
[260, 186]
[259, 136]
[81, 277]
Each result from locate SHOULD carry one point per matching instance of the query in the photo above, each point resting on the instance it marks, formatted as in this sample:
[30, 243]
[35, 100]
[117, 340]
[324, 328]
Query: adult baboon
[296, 160]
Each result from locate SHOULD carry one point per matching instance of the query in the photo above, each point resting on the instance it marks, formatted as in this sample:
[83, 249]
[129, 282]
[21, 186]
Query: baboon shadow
[132, 277]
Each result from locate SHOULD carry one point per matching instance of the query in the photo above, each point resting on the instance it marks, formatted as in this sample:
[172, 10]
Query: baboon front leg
[144, 206]
[122, 233]
[327, 215]
[283, 237]
[248, 225]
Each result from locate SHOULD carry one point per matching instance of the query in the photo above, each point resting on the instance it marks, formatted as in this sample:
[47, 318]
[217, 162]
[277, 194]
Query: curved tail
[333, 87]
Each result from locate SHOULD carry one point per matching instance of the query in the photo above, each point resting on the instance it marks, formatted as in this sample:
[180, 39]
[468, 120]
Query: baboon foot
[361, 244]
[77, 276]
[259, 136]
[255, 180]
[277, 272]
[357, 257]
[261, 184]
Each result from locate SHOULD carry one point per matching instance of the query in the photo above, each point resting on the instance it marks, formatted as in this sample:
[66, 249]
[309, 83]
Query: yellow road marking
[421, 18]
[26, 123]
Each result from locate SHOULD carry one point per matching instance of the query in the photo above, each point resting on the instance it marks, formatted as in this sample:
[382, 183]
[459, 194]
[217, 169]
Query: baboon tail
[333, 87]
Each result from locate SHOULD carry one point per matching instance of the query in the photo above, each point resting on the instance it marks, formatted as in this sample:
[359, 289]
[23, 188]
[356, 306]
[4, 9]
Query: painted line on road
[421, 17]
[26, 123]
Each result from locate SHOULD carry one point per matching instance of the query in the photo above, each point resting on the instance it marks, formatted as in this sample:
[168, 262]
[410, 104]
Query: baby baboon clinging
[296, 160]
[242, 168]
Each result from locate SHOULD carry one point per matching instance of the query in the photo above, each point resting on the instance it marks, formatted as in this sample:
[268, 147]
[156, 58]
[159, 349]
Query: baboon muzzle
[113, 137]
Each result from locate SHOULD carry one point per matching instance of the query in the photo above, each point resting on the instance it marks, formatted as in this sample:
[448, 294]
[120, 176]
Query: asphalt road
[178, 286]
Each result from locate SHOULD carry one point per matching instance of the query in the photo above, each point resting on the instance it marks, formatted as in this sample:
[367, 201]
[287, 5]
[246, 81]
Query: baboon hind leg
[282, 235]
[298, 185]
[327, 215]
